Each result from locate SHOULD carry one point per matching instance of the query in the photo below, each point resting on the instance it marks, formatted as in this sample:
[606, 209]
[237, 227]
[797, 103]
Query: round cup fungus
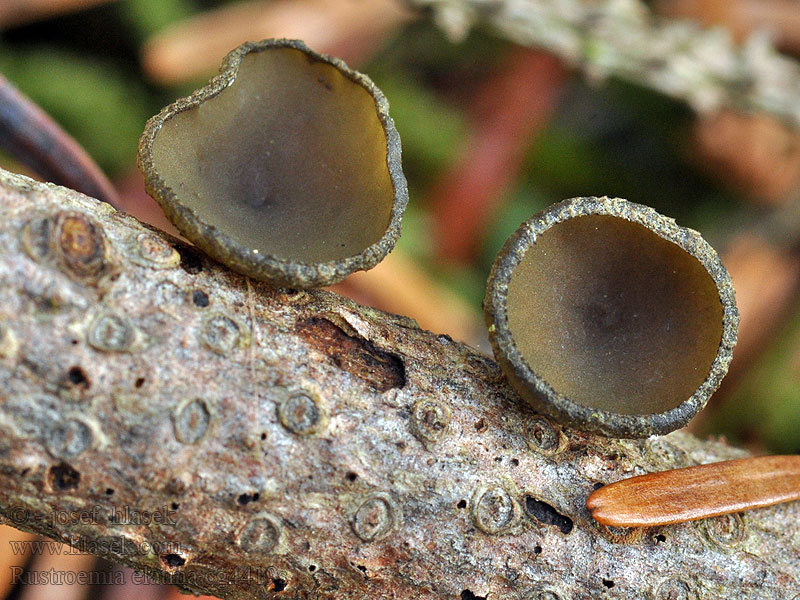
[285, 167]
[609, 317]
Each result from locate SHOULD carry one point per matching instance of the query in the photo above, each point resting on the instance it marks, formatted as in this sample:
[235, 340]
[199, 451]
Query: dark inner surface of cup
[613, 316]
[289, 160]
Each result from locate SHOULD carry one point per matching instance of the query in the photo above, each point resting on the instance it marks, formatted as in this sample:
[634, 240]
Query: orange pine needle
[697, 492]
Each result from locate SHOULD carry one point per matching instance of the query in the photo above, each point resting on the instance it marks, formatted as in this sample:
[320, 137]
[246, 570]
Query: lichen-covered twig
[622, 38]
[254, 442]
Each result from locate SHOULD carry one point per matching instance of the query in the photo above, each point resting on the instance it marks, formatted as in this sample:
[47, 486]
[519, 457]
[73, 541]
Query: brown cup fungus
[609, 317]
[285, 167]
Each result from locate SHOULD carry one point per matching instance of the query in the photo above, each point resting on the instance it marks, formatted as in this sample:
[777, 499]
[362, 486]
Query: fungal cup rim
[541, 394]
[220, 247]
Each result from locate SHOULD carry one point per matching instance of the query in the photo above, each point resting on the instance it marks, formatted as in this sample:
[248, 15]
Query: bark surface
[252, 442]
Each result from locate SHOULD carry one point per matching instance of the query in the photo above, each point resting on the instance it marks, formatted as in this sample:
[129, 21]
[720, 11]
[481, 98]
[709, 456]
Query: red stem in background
[513, 105]
[29, 135]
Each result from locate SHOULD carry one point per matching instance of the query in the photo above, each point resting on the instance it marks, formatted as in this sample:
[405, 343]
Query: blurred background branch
[704, 67]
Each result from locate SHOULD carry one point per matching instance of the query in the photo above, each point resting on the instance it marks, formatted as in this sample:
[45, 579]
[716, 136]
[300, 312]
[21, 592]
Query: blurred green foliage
[97, 104]
[89, 87]
[431, 130]
[765, 406]
[145, 17]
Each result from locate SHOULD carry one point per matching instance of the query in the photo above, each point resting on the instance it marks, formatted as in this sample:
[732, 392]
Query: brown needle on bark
[697, 492]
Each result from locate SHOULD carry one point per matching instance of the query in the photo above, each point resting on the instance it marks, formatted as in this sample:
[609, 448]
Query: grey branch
[622, 38]
[252, 442]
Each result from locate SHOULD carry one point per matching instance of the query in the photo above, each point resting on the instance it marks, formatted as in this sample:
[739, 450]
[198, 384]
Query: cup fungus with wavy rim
[285, 167]
[611, 318]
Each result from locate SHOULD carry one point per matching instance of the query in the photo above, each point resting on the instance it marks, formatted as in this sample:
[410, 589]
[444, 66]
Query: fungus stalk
[300, 445]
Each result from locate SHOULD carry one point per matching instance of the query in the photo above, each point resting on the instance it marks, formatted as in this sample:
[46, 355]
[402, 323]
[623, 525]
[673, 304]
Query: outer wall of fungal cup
[538, 392]
[212, 241]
